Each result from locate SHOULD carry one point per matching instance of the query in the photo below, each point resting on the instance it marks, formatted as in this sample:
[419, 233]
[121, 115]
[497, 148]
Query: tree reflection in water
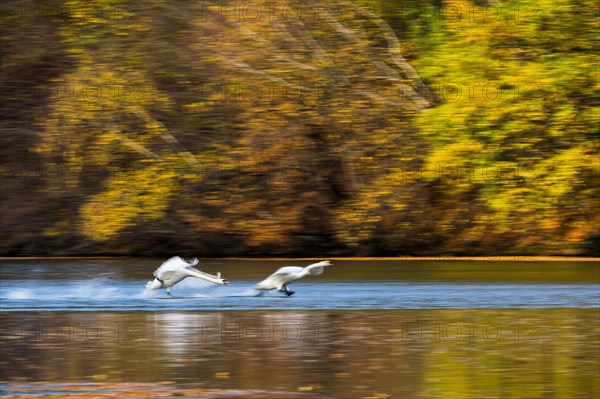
[430, 353]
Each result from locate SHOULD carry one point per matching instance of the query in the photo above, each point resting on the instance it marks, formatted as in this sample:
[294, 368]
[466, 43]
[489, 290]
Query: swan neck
[204, 276]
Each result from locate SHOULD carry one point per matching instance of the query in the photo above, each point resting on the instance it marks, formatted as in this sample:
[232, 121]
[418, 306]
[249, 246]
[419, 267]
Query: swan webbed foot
[286, 290]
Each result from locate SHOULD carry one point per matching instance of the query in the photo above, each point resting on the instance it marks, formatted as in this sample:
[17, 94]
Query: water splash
[97, 289]
[19, 294]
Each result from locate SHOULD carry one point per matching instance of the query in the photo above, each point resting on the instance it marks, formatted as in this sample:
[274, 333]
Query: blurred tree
[283, 128]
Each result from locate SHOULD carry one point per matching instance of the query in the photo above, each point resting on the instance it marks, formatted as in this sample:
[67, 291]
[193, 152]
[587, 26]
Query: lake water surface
[363, 329]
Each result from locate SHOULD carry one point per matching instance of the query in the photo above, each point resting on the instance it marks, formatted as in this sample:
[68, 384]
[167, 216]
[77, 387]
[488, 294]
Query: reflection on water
[326, 354]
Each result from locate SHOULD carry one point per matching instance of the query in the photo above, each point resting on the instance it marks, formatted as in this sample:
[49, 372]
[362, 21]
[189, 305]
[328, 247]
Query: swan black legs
[286, 290]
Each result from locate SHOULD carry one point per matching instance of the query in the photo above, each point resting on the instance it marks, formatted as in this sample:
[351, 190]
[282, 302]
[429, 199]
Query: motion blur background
[299, 128]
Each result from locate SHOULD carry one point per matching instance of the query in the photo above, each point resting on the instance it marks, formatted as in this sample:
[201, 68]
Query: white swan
[288, 274]
[176, 269]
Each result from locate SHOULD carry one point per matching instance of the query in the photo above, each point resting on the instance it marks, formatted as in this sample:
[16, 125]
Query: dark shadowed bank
[363, 128]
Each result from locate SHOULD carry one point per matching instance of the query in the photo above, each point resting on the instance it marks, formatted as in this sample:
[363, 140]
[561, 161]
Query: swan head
[324, 263]
[222, 280]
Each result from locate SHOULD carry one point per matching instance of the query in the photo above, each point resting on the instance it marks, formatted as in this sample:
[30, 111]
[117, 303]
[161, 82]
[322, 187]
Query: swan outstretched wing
[278, 278]
[198, 279]
[285, 271]
[194, 283]
[200, 273]
[287, 274]
[174, 264]
[317, 268]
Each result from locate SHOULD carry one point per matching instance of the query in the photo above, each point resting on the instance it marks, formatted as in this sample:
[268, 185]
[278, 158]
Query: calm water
[362, 329]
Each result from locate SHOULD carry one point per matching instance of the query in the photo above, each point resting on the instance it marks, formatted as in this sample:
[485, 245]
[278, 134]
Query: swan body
[289, 274]
[175, 270]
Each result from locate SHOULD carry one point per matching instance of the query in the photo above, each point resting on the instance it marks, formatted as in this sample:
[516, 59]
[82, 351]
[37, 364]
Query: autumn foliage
[351, 128]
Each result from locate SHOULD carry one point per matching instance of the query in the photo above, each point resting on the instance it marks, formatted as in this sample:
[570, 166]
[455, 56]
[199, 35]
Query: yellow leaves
[154, 127]
[356, 220]
[559, 172]
[58, 228]
[398, 206]
[378, 395]
[457, 153]
[130, 198]
[270, 227]
[52, 232]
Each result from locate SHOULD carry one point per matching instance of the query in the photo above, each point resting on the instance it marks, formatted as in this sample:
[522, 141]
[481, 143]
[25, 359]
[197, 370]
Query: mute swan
[176, 269]
[288, 274]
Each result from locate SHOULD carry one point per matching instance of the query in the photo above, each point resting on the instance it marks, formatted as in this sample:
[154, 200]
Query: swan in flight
[174, 270]
[288, 274]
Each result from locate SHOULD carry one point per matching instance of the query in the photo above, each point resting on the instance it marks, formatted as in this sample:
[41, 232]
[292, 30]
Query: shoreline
[514, 258]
